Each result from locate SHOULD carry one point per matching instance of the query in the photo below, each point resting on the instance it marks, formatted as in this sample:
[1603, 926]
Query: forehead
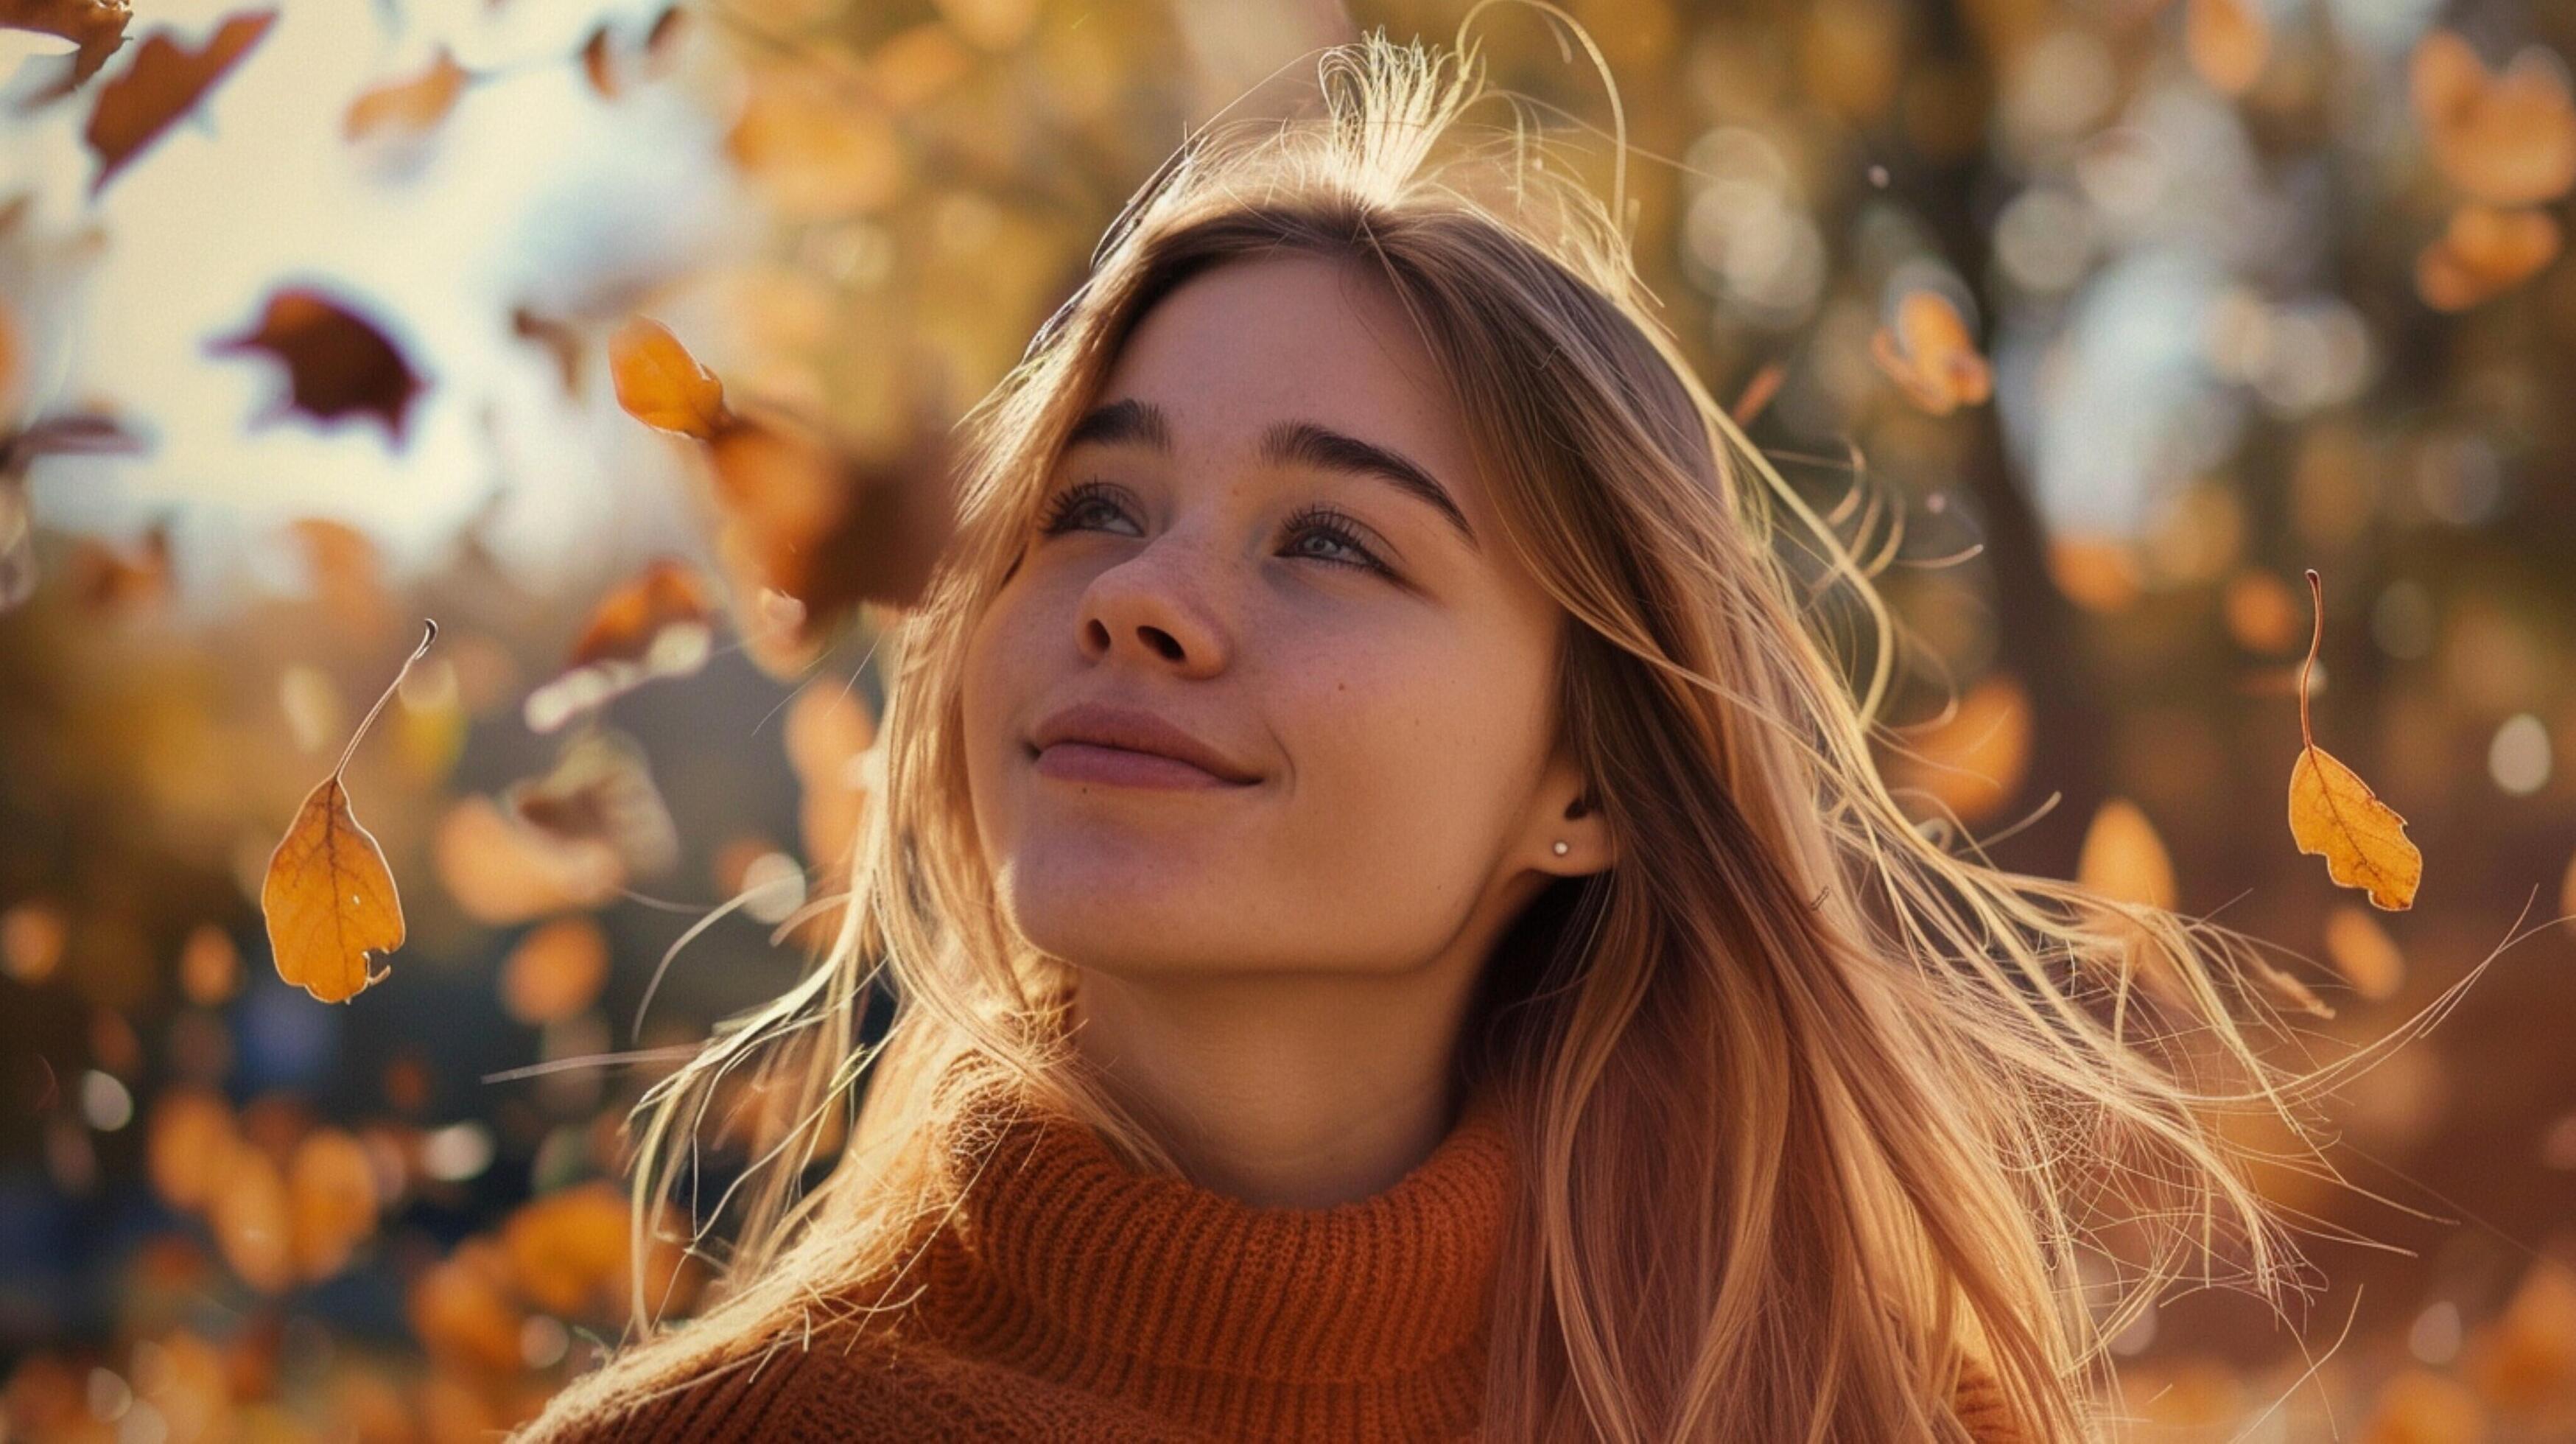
[1250, 343]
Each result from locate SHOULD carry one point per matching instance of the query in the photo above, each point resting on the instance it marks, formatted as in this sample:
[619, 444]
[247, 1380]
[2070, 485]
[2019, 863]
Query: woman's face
[1268, 546]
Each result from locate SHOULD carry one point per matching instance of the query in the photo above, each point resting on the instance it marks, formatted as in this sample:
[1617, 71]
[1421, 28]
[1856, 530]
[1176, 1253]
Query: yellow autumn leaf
[329, 899]
[2335, 814]
[661, 384]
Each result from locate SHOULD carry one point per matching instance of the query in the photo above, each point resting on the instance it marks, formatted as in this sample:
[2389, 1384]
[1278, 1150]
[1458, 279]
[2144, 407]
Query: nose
[1151, 609]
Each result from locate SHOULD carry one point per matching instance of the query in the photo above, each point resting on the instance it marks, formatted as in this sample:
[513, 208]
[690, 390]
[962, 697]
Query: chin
[1096, 909]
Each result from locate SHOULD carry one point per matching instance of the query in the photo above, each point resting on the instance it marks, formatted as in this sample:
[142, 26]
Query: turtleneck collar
[1061, 1261]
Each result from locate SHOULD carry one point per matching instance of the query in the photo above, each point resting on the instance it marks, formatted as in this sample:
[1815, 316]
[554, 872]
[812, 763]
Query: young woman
[1394, 928]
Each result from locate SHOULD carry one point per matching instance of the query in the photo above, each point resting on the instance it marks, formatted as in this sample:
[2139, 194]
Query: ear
[1568, 810]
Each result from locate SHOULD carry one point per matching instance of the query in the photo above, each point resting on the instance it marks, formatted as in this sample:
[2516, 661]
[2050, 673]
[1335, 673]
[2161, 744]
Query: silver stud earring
[1563, 847]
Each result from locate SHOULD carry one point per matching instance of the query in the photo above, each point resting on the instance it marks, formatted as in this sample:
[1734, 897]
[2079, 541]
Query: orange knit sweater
[1070, 1298]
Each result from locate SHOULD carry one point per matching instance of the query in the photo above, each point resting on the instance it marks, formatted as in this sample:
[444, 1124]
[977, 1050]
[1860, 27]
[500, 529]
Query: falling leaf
[807, 517]
[2506, 140]
[600, 790]
[2227, 42]
[329, 899]
[159, 85]
[337, 361]
[2334, 813]
[661, 384]
[556, 971]
[502, 871]
[1931, 356]
[656, 625]
[410, 106]
[96, 26]
[2483, 253]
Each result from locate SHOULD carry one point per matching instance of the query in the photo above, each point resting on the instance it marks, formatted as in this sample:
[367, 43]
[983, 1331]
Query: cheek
[1418, 753]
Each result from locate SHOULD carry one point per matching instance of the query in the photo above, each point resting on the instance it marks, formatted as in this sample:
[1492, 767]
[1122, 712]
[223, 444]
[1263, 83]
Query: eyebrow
[1293, 443]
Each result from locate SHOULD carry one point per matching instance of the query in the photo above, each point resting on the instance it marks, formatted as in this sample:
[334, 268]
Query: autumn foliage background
[2094, 323]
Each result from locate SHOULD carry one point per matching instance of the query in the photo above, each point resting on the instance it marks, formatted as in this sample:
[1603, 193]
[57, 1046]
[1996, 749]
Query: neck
[1282, 1091]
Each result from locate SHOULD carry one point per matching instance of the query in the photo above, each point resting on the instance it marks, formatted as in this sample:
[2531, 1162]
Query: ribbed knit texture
[1070, 1298]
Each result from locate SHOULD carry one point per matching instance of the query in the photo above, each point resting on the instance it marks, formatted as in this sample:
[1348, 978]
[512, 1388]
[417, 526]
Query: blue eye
[1092, 503]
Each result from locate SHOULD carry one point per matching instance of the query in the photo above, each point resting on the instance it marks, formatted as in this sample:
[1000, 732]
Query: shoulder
[841, 1385]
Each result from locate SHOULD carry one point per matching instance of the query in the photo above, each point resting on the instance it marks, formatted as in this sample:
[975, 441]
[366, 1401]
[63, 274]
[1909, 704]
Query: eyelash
[1314, 517]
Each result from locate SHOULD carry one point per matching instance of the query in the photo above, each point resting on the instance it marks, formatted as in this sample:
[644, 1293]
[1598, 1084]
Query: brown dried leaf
[159, 85]
[337, 361]
[96, 26]
[600, 790]
[329, 899]
[413, 105]
[810, 518]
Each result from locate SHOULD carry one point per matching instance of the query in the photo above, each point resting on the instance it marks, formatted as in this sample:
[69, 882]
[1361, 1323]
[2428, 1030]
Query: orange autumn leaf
[661, 384]
[329, 898]
[159, 85]
[2506, 139]
[414, 104]
[2335, 814]
[96, 26]
[2227, 42]
[1931, 356]
[2483, 253]
[657, 625]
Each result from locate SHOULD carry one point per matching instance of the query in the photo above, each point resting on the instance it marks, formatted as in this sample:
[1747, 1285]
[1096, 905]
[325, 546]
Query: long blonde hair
[1811, 1106]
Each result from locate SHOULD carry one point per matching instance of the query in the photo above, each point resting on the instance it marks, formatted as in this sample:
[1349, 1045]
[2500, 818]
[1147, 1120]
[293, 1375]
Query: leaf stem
[426, 637]
[2316, 639]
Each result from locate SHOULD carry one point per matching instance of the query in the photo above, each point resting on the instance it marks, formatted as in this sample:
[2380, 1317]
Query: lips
[1103, 741]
